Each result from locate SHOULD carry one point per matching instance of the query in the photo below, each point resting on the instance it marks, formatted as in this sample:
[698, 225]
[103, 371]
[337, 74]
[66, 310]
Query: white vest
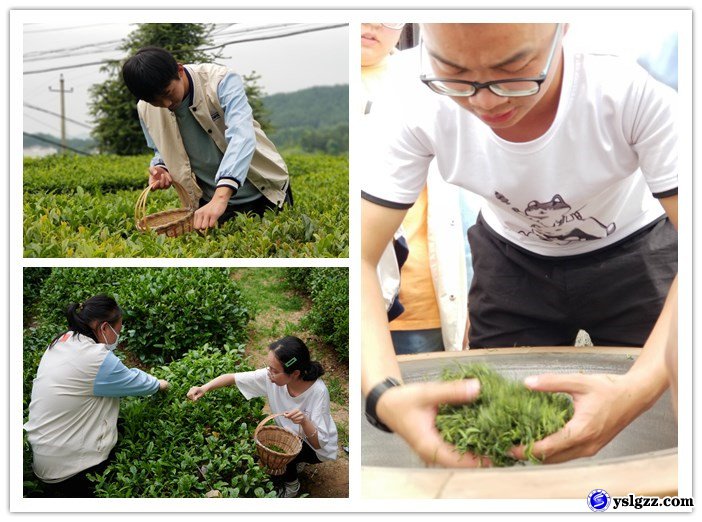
[69, 428]
[267, 171]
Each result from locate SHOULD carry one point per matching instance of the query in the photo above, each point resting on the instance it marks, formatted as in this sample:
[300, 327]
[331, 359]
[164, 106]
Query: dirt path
[278, 312]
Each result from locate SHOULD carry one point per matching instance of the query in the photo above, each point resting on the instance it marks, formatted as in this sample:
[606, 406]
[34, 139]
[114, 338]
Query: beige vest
[69, 428]
[267, 171]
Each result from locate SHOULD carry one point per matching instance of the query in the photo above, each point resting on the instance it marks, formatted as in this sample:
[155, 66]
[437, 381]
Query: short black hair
[148, 73]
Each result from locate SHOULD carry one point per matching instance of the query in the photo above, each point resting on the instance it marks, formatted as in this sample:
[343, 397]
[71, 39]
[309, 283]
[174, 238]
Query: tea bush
[32, 281]
[65, 173]
[170, 446]
[173, 447]
[166, 311]
[73, 208]
[329, 290]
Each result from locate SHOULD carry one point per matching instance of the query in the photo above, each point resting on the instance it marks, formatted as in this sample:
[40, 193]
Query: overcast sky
[285, 64]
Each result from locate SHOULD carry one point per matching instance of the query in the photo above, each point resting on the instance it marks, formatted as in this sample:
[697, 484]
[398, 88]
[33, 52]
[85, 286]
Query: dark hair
[294, 355]
[149, 72]
[80, 316]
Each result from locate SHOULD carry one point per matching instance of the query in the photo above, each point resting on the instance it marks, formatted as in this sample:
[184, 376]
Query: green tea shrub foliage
[329, 290]
[84, 207]
[32, 353]
[166, 311]
[36, 339]
[505, 414]
[32, 281]
[173, 447]
[297, 278]
[65, 173]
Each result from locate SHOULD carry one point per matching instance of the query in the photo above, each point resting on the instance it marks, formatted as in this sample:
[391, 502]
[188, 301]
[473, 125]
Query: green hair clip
[291, 362]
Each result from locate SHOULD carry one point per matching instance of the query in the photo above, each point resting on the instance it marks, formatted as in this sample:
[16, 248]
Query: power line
[42, 122]
[34, 56]
[90, 48]
[64, 28]
[259, 38]
[41, 138]
[253, 39]
[64, 67]
[69, 54]
[57, 115]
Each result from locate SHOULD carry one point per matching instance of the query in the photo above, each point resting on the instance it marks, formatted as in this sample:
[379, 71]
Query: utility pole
[61, 90]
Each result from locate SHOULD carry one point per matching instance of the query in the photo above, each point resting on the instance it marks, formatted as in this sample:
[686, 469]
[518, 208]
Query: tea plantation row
[84, 207]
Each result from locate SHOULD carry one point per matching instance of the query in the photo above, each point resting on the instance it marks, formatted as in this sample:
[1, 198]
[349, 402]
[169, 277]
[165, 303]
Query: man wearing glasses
[575, 156]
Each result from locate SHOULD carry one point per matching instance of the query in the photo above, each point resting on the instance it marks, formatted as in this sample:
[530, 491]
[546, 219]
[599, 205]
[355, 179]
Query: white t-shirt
[585, 184]
[313, 402]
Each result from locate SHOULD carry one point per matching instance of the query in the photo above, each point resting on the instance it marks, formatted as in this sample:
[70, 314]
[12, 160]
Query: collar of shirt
[189, 96]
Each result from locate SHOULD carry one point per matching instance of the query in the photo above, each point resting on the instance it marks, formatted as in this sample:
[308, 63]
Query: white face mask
[112, 346]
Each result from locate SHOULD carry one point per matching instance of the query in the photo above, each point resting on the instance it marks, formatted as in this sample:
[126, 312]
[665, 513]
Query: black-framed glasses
[512, 87]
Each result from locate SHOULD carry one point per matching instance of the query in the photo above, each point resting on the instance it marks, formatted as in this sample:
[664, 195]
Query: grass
[342, 429]
[263, 288]
[337, 391]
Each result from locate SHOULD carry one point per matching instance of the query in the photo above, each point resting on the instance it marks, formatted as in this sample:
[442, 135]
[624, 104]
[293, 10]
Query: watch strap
[372, 402]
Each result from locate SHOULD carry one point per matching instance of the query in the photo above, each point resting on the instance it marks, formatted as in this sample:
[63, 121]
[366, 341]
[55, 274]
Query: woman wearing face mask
[293, 387]
[72, 424]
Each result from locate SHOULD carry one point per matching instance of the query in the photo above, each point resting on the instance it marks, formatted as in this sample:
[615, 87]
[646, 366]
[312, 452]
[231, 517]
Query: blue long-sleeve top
[114, 379]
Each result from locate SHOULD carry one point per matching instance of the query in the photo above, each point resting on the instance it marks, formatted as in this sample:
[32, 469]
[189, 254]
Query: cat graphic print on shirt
[555, 221]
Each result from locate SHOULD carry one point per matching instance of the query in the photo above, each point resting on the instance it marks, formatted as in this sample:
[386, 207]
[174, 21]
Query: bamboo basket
[172, 223]
[264, 436]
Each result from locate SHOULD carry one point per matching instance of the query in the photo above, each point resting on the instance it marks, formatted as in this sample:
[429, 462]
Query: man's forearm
[649, 370]
[377, 353]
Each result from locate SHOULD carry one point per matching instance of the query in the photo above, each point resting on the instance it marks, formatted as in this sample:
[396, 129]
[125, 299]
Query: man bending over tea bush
[199, 123]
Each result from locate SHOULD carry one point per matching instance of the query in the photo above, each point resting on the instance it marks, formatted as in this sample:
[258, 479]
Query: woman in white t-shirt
[291, 383]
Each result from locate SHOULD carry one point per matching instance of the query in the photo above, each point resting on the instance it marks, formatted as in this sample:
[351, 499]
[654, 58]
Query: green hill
[312, 120]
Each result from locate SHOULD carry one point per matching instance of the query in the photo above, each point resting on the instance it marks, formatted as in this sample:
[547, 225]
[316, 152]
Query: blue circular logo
[598, 500]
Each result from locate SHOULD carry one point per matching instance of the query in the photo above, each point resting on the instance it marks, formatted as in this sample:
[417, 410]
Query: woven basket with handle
[172, 223]
[267, 436]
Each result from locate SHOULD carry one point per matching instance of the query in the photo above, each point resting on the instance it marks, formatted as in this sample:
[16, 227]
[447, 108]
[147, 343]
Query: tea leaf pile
[505, 414]
[276, 448]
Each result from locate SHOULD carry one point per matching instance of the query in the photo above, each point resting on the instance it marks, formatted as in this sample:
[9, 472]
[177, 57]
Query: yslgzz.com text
[643, 502]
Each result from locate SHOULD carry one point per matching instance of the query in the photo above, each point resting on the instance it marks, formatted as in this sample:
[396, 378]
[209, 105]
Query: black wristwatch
[372, 402]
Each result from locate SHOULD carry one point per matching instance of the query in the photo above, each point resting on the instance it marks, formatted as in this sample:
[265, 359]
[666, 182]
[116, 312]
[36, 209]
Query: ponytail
[293, 355]
[82, 316]
[313, 371]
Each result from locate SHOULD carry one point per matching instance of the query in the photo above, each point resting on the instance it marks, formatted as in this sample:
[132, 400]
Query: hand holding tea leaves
[604, 405]
[505, 414]
[410, 411]
[195, 393]
[207, 215]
